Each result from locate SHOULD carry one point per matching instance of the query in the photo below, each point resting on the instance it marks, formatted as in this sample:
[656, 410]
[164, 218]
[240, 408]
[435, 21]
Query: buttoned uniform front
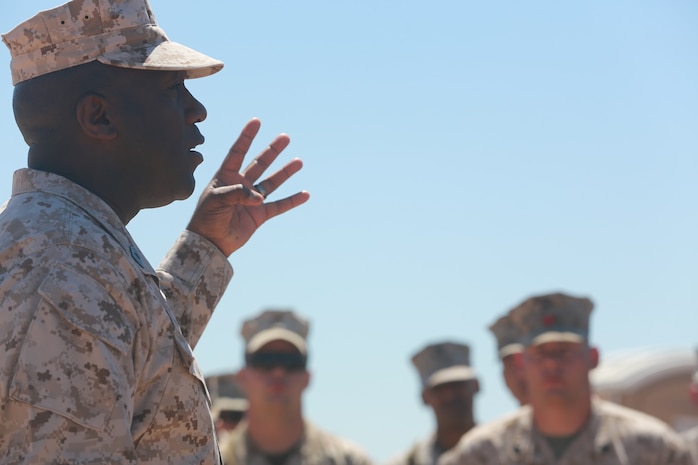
[614, 435]
[81, 307]
[316, 448]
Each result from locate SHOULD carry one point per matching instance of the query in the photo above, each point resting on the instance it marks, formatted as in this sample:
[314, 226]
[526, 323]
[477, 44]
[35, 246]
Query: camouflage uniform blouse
[614, 435]
[95, 367]
[317, 448]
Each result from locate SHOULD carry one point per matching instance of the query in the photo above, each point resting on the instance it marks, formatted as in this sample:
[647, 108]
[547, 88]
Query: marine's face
[512, 371]
[558, 371]
[275, 377]
[452, 402]
[157, 119]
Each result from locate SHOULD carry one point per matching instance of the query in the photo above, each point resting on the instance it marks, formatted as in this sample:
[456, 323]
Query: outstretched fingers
[261, 162]
[278, 207]
[273, 182]
[233, 160]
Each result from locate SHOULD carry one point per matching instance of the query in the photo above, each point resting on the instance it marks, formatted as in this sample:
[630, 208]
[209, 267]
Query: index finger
[233, 160]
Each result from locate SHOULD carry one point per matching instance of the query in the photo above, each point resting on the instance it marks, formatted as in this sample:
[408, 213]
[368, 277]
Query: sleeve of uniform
[193, 276]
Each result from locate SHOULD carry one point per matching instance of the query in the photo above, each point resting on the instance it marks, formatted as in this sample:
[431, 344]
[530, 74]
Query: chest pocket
[74, 359]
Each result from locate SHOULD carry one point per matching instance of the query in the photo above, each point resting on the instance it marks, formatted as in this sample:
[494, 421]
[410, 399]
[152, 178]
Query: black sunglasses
[267, 361]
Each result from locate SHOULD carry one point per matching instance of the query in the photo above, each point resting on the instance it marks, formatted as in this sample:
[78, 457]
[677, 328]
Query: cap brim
[229, 405]
[449, 375]
[557, 336]
[510, 349]
[275, 334]
[165, 56]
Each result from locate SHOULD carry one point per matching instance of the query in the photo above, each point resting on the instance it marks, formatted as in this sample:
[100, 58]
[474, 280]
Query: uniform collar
[28, 180]
[527, 439]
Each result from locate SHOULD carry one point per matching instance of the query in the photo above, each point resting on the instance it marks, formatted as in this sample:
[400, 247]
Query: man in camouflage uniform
[563, 423]
[448, 387]
[97, 362]
[227, 413]
[509, 351]
[274, 378]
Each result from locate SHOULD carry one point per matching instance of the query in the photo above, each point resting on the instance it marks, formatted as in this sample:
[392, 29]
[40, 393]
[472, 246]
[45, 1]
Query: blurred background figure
[564, 422]
[448, 387]
[229, 403]
[274, 378]
[691, 435]
[228, 412]
[509, 349]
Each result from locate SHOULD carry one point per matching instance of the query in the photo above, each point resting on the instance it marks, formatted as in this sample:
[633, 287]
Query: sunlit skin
[129, 136]
[557, 376]
[274, 414]
[452, 404]
[512, 371]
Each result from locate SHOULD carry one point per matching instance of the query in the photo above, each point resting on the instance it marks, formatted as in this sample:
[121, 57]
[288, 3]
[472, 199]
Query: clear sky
[461, 156]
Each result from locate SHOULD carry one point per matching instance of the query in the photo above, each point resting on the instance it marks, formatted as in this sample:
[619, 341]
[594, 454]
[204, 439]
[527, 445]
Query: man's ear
[425, 397]
[474, 386]
[594, 357]
[92, 114]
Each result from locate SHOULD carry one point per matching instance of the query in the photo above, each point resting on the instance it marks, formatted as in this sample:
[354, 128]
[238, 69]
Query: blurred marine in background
[509, 350]
[564, 423]
[448, 387]
[274, 377]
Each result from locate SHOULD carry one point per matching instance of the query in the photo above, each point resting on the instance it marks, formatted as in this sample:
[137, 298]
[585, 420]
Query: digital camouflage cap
[120, 33]
[553, 318]
[272, 325]
[444, 362]
[508, 336]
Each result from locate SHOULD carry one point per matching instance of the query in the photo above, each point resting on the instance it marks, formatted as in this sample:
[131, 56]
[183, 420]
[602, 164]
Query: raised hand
[232, 207]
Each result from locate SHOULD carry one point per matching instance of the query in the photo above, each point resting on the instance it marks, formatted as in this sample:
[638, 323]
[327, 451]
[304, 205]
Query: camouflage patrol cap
[444, 362]
[228, 404]
[272, 325]
[553, 318]
[120, 33]
[508, 336]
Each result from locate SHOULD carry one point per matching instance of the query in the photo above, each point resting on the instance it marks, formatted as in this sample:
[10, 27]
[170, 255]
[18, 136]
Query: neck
[275, 434]
[561, 419]
[448, 436]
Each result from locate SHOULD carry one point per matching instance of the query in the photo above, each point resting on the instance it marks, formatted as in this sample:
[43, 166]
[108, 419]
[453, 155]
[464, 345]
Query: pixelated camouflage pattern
[424, 452]
[120, 33]
[508, 336]
[553, 316]
[443, 362]
[275, 324]
[97, 363]
[317, 448]
[615, 435]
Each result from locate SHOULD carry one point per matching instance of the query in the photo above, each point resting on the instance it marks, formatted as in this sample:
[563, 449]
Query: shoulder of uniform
[496, 428]
[487, 438]
[352, 453]
[638, 427]
[630, 417]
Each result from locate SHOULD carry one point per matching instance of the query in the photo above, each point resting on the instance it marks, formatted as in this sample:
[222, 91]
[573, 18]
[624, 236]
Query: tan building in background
[652, 380]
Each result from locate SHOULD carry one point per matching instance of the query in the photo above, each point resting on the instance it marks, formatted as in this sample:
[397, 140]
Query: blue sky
[461, 156]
